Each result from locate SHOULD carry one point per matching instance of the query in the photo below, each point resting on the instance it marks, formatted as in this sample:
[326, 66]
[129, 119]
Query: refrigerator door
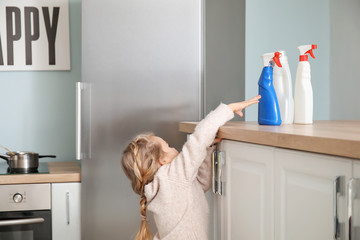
[143, 61]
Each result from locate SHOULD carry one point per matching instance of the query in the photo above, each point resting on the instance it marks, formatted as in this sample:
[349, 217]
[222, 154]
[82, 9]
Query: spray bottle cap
[282, 53]
[305, 49]
[271, 58]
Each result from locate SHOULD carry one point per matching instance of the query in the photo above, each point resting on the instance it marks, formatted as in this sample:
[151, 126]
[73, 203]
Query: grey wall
[225, 52]
[284, 25]
[224, 77]
[344, 60]
[38, 107]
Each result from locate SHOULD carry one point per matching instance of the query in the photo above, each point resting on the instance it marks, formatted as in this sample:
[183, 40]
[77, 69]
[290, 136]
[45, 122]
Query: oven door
[25, 225]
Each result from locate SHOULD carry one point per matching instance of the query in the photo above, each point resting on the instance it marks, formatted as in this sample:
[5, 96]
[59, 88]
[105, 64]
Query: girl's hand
[239, 106]
[216, 140]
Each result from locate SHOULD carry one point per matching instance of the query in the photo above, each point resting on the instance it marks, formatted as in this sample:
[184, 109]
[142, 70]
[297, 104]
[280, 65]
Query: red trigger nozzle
[314, 46]
[311, 53]
[276, 59]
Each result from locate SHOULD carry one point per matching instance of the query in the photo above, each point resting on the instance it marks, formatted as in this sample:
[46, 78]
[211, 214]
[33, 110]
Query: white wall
[284, 25]
[38, 107]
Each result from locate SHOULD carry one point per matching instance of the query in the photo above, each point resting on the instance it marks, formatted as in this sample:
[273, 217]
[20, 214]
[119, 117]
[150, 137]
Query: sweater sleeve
[204, 173]
[186, 165]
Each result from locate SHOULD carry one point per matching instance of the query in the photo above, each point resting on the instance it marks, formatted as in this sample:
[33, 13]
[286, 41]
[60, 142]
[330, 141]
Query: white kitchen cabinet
[356, 169]
[280, 194]
[304, 195]
[245, 210]
[354, 203]
[304, 162]
[66, 211]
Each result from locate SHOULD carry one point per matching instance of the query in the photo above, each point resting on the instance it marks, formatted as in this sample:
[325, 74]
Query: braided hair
[140, 162]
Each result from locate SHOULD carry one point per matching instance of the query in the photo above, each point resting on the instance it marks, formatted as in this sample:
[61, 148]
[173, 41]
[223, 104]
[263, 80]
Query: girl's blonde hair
[140, 162]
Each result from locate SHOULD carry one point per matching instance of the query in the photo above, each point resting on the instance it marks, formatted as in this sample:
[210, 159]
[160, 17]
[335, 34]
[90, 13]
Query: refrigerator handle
[79, 86]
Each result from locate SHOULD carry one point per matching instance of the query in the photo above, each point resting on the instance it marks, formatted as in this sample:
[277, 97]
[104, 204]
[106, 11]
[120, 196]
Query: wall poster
[34, 35]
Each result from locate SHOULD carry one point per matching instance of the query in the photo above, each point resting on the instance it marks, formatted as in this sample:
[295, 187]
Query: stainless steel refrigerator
[143, 70]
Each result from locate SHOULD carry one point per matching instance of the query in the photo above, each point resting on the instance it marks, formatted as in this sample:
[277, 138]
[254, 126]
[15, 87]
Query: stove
[43, 168]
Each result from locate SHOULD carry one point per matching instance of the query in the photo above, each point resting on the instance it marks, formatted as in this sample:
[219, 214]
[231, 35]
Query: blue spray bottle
[268, 107]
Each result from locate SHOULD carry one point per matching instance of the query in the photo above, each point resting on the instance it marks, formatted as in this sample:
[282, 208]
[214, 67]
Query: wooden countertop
[340, 138]
[59, 172]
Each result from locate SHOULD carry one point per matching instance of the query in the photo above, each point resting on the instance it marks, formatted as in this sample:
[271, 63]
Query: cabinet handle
[221, 163]
[353, 190]
[218, 160]
[213, 160]
[338, 191]
[68, 208]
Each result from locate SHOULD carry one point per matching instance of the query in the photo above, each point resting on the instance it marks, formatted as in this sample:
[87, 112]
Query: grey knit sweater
[176, 196]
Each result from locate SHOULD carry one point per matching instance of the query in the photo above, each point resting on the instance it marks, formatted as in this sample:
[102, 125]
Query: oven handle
[21, 221]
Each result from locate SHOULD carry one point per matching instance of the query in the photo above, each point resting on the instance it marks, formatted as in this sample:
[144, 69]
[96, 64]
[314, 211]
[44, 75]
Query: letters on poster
[34, 35]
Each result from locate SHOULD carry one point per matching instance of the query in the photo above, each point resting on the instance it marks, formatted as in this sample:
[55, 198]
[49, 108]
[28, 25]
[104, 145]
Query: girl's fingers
[240, 113]
[254, 98]
[251, 103]
[241, 105]
[216, 140]
[257, 97]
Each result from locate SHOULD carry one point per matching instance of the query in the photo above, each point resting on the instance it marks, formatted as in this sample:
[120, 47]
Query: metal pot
[23, 161]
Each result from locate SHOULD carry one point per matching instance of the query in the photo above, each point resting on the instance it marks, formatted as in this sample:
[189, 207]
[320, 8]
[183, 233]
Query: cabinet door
[356, 169]
[304, 195]
[66, 216]
[245, 210]
[354, 202]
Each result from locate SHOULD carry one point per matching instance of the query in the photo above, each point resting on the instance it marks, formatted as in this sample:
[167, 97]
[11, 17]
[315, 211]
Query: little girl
[172, 184]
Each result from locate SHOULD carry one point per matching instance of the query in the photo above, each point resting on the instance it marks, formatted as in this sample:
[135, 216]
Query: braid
[140, 162]
[137, 166]
[144, 231]
[143, 208]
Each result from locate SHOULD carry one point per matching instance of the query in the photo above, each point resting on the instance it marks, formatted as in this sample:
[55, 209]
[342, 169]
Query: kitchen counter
[59, 172]
[339, 138]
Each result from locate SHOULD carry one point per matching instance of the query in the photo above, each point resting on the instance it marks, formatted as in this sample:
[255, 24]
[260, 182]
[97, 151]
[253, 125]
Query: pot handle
[47, 156]
[5, 157]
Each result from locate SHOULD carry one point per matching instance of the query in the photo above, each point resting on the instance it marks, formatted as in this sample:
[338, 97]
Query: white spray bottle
[303, 95]
[283, 88]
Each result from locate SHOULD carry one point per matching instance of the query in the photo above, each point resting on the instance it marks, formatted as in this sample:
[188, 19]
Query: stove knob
[18, 198]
